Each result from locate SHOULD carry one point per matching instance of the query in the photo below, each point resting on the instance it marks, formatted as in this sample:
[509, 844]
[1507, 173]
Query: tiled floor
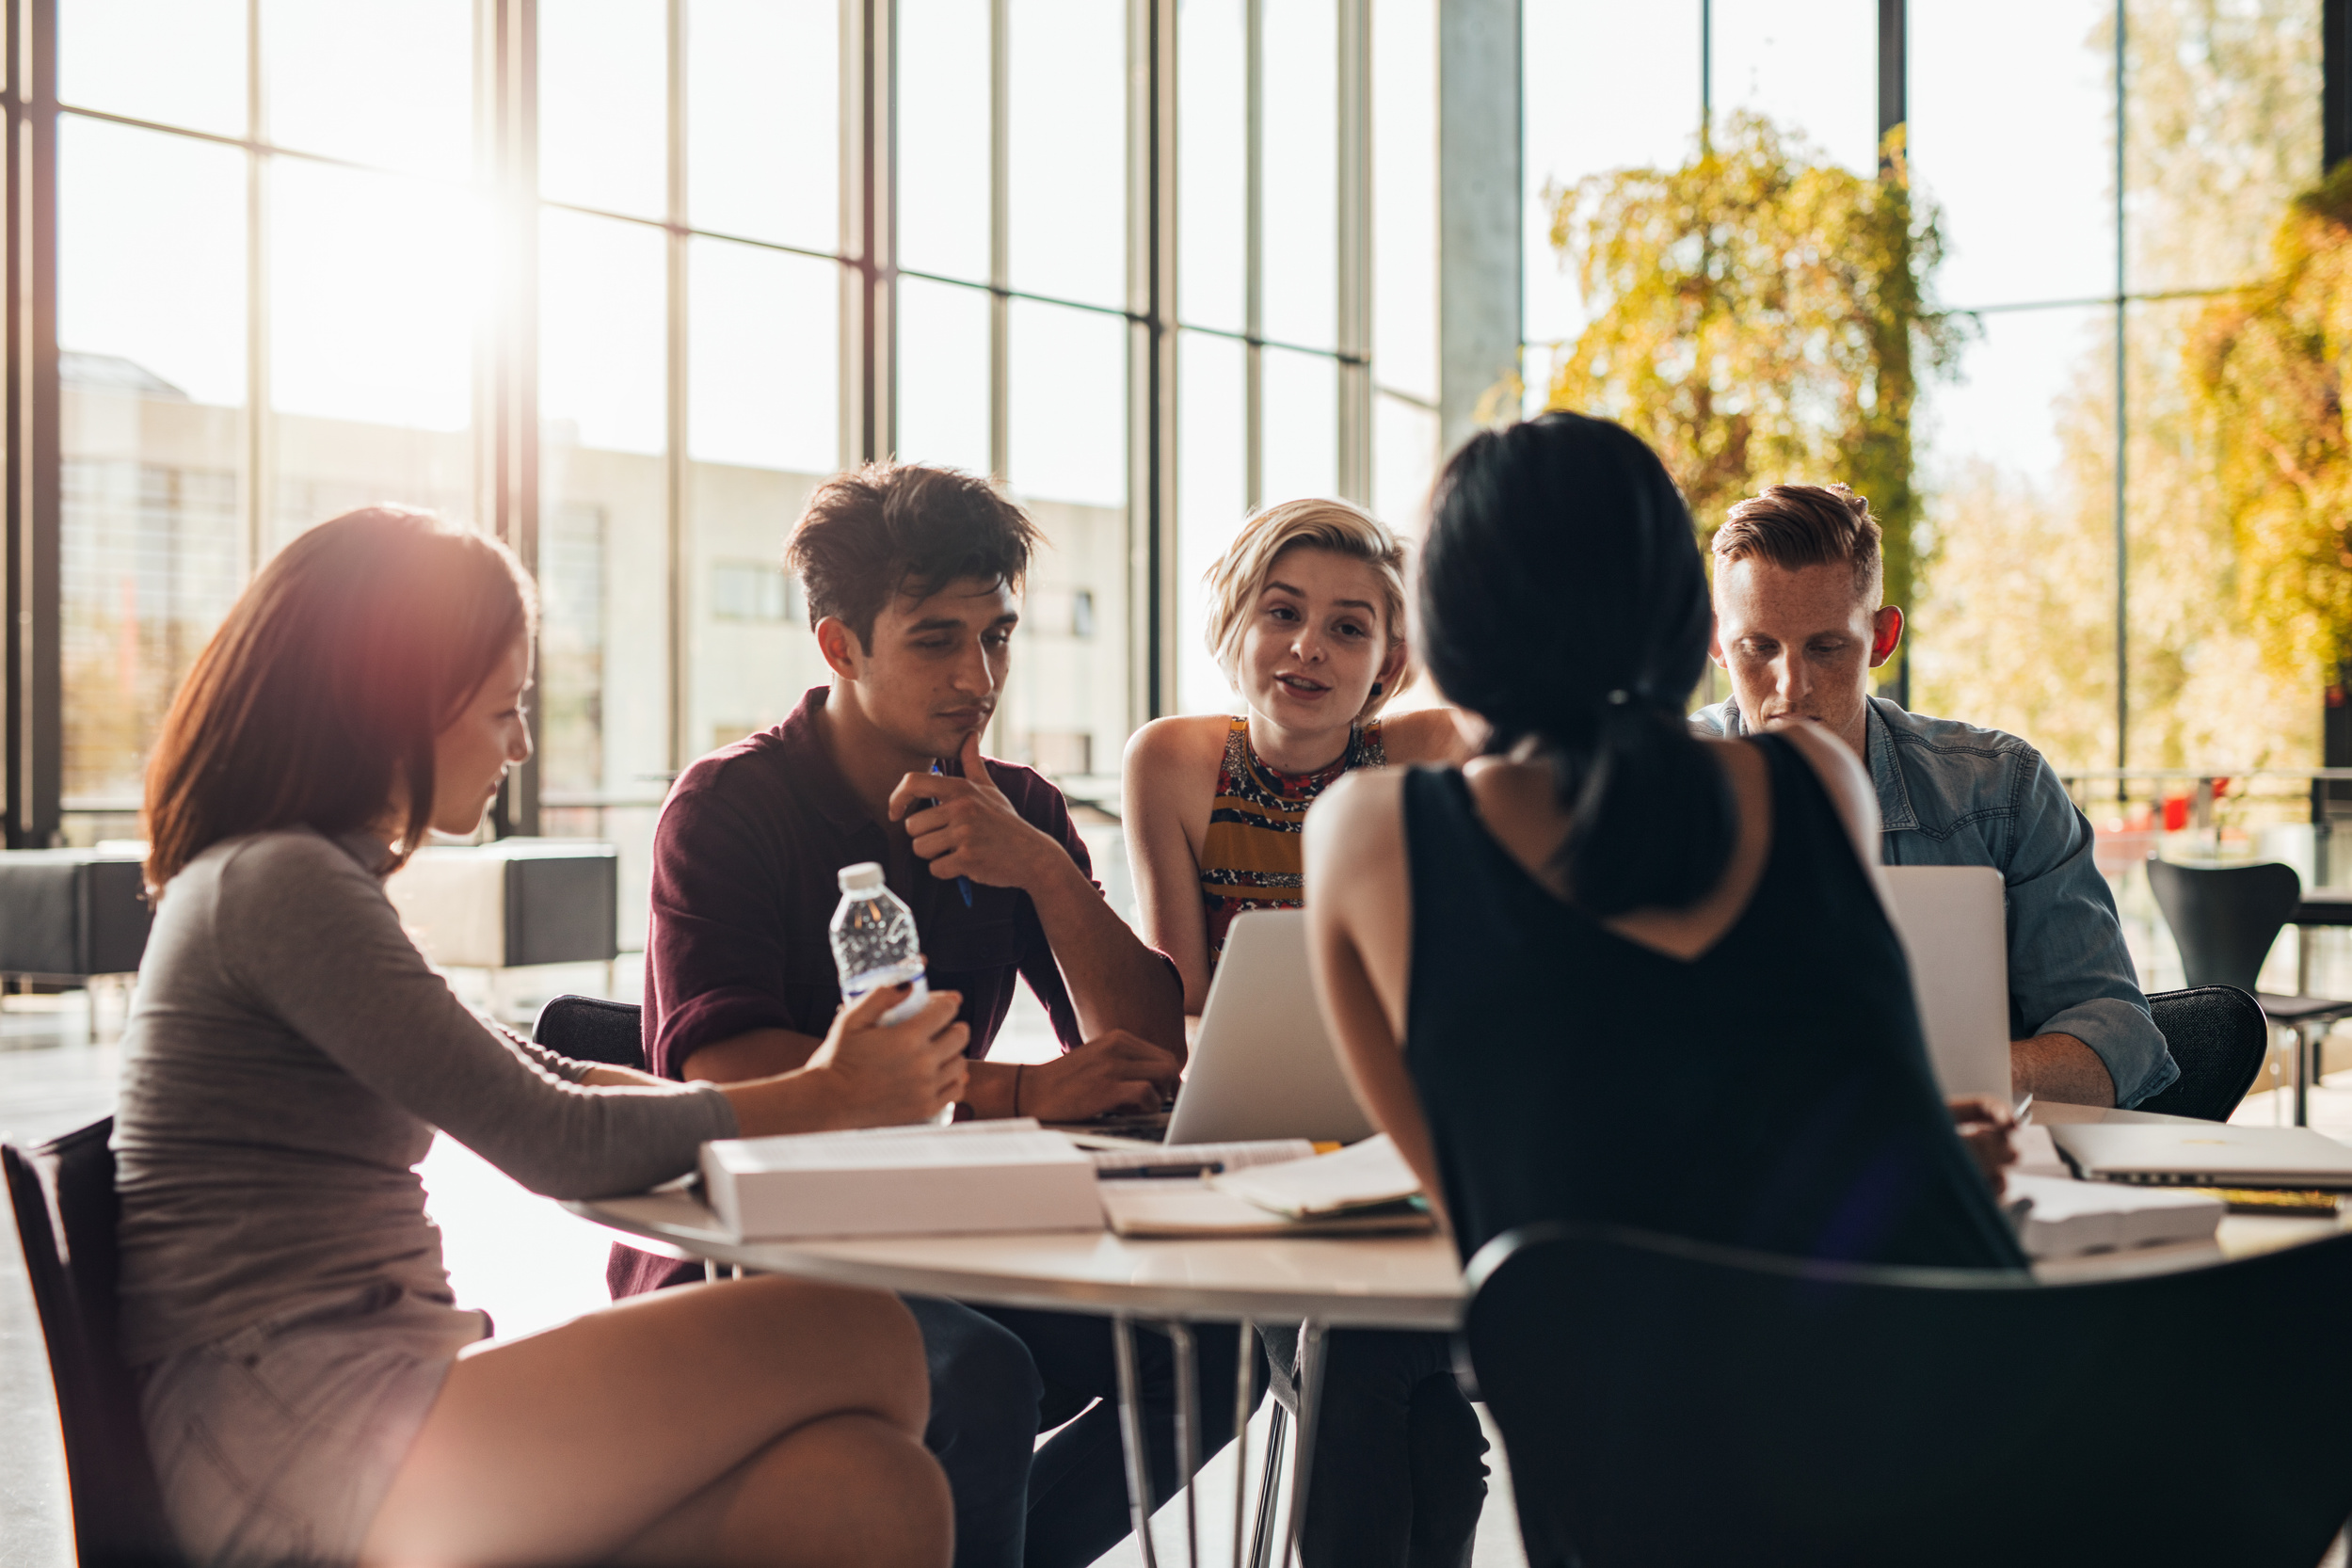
[522, 1257]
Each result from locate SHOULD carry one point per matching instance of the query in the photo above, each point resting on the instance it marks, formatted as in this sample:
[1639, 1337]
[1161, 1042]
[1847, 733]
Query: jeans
[1399, 1478]
[1002, 1375]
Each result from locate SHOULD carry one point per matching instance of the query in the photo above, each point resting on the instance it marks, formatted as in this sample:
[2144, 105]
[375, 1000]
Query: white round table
[1403, 1282]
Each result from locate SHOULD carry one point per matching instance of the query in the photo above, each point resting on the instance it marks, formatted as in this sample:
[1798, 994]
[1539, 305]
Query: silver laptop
[1955, 932]
[1263, 1065]
[2205, 1154]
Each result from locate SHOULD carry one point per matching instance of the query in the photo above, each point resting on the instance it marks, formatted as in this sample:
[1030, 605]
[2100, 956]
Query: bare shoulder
[1178, 739]
[1427, 735]
[1360, 806]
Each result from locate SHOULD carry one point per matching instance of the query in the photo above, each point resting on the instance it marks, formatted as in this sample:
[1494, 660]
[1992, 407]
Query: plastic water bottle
[874, 942]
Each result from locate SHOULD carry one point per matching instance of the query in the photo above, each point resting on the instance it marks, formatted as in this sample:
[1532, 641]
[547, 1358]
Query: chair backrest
[590, 1029]
[2224, 918]
[1667, 1402]
[2220, 1038]
[64, 1200]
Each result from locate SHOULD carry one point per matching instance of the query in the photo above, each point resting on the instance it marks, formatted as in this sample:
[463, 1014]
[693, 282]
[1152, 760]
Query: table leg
[1187, 1436]
[1310, 1370]
[1244, 1386]
[1131, 1434]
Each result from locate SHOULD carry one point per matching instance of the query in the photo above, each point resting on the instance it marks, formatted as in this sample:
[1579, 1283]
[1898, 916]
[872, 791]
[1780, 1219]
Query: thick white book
[2058, 1217]
[899, 1181]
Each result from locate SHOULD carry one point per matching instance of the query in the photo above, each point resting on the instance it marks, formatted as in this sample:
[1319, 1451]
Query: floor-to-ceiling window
[622, 280]
[2101, 172]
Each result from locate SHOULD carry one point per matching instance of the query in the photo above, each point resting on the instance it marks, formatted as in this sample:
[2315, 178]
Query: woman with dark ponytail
[1611, 970]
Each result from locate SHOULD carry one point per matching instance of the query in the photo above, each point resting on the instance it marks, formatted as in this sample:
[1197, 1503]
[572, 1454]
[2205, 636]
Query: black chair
[2225, 919]
[590, 1029]
[1667, 1402]
[2218, 1038]
[64, 1200]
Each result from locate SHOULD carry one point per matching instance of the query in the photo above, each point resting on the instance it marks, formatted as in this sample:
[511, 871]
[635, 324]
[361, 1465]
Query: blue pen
[963, 884]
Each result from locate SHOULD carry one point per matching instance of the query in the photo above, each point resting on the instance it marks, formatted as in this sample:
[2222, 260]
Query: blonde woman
[1306, 617]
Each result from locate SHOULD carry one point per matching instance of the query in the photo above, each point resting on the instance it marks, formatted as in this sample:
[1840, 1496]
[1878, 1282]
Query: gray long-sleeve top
[288, 1057]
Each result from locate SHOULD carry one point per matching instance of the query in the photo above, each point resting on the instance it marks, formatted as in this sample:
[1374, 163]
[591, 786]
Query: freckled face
[1316, 641]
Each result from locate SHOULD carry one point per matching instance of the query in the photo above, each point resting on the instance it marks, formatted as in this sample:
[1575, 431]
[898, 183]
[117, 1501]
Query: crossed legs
[763, 1421]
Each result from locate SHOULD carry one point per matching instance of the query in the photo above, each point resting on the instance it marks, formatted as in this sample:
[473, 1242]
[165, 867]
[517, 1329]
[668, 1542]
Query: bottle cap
[863, 877]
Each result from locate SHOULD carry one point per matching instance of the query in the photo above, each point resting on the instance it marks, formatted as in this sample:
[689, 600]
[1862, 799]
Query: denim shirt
[1952, 794]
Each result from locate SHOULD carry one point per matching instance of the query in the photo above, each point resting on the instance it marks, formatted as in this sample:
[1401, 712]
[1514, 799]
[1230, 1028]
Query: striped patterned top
[1254, 857]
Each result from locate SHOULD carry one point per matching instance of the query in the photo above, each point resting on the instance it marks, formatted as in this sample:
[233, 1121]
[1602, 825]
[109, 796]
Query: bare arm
[1116, 983]
[754, 1053]
[1359, 919]
[1156, 790]
[864, 1074]
[2060, 1067]
[1446, 735]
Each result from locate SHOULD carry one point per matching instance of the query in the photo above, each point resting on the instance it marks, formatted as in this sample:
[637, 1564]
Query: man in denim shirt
[1799, 627]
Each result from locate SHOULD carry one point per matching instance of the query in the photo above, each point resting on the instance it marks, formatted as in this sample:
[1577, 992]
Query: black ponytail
[1562, 599]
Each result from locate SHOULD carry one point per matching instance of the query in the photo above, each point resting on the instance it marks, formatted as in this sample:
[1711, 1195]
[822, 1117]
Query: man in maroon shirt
[911, 576]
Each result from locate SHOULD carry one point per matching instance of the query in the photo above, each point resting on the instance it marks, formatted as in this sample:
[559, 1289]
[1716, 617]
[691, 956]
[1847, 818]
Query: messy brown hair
[1806, 525]
[891, 529]
[327, 684]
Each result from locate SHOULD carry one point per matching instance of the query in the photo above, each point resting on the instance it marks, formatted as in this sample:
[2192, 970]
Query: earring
[1376, 688]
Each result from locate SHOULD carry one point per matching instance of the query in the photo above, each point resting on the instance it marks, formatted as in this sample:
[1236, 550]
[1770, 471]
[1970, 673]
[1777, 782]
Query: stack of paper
[1363, 1176]
[2062, 1217]
[1133, 1161]
[901, 1182]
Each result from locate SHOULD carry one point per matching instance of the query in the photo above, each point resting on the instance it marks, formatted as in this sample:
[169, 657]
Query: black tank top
[1773, 1093]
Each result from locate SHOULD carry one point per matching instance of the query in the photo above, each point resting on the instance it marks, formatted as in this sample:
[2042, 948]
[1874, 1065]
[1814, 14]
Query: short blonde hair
[1240, 576]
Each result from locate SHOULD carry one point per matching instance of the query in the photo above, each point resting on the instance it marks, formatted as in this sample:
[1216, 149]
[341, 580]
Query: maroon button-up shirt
[745, 858]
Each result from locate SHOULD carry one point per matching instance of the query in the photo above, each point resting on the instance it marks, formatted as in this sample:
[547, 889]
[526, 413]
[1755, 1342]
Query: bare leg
[755, 1421]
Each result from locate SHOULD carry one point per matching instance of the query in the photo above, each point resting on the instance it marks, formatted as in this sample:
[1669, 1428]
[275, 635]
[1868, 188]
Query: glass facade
[2101, 172]
[622, 280]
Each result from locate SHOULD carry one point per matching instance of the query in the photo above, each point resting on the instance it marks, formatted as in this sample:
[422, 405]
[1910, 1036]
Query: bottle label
[896, 974]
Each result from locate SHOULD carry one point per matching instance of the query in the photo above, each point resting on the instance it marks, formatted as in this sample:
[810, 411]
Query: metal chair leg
[1131, 1433]
[1310, 1371]
[1245, 1392]
[1262, 1537]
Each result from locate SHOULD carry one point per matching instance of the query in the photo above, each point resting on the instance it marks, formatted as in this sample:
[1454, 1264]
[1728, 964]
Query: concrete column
[1479, 206]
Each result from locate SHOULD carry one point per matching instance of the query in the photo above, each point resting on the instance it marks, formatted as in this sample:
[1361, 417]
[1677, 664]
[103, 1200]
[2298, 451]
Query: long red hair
[339, 664]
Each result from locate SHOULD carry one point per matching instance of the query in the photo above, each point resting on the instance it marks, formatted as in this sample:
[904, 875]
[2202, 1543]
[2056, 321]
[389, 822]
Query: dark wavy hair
[902, 528]
[1562, 599]
[336, 668]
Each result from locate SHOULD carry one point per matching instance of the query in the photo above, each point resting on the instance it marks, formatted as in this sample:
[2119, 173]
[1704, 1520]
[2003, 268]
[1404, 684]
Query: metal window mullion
[1253, 245]
[513, 414]
[675, 471]
[260, 444]
[2123, 431]
[852, 164]
[36, 695]
[1353, 291]
[999, 234]
[1152, 359]
[878, 233]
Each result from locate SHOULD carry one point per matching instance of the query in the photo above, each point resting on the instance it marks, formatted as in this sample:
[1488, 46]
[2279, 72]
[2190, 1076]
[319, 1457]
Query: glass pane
[764, 351]
[1211, 500]
[181, 62]
[371, 344]
[2028, 198]
[383, 82]
[1066, 701]
[603, 97]
[1585, 114]
[1404, 195]
[1809, 66]
[604, 672]
[1212, 163]
[1301, 451]
[763, 424]
[1068, 434]
[1405, 460]
[943, 197]
[151, 331]
[763, 120]
[1067, 152]
[602, 373]
[2017, 467]
[2222, 131]
[1301, 220]
[943, 374]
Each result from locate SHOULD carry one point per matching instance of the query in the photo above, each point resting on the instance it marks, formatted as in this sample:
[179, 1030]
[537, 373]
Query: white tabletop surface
[1401, 1282]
